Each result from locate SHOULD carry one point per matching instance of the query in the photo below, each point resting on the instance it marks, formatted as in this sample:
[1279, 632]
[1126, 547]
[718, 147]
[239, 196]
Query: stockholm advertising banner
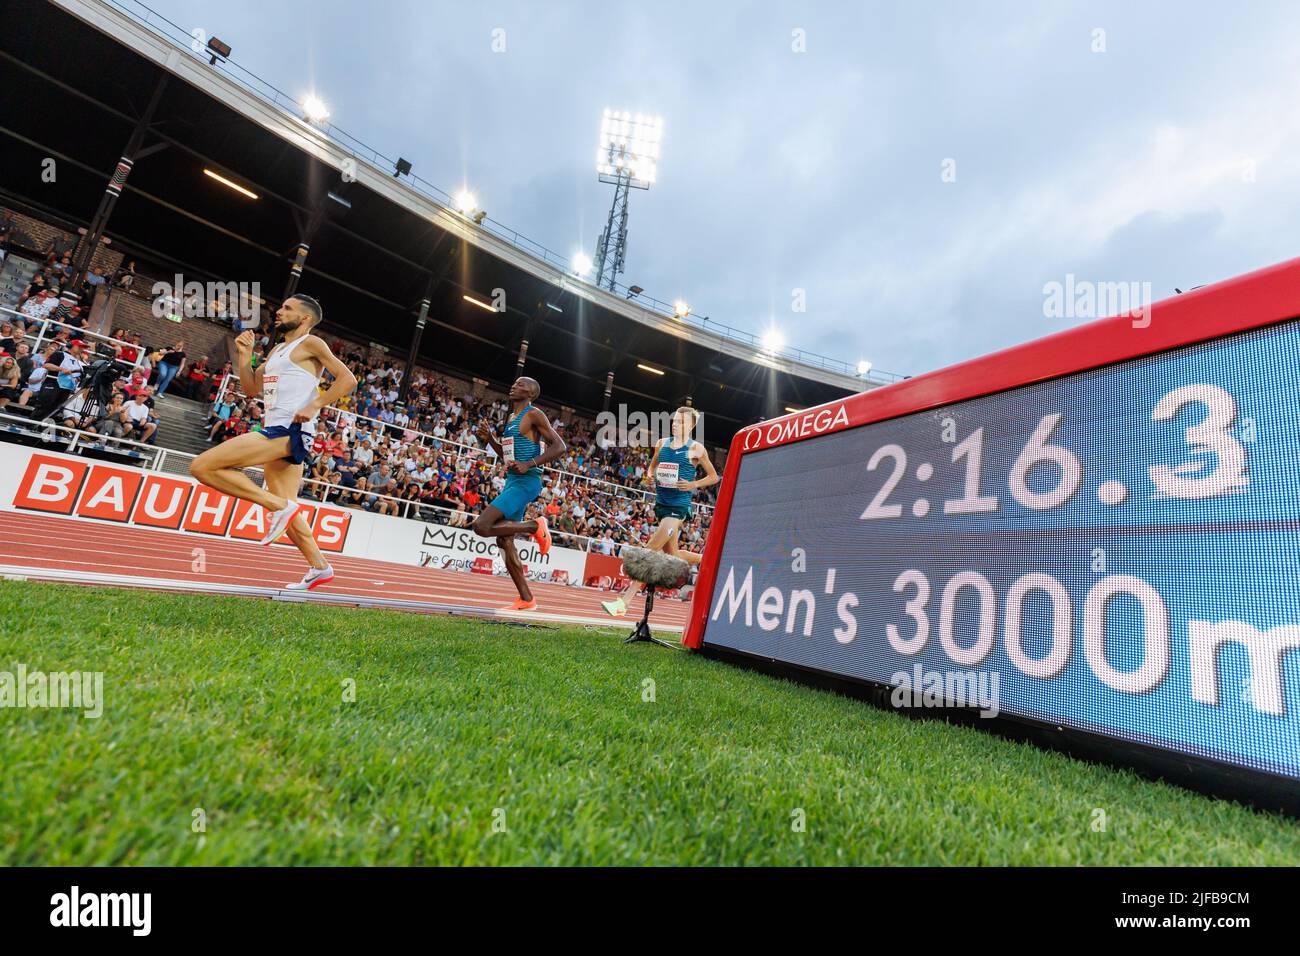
[1113, 551]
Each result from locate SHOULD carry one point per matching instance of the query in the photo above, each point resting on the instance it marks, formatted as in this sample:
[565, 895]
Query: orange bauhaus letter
[110, 493]
[50, 484]
[162, 504]
[331, 529]
[210, 511]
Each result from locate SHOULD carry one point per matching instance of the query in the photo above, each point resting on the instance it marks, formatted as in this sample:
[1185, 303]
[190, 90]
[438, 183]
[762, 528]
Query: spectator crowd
[420, 458]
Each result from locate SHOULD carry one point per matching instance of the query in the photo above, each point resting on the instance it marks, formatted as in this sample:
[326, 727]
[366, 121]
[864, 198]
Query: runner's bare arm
[343, 384]
[710, 473]
[249, 380]
[489, 440]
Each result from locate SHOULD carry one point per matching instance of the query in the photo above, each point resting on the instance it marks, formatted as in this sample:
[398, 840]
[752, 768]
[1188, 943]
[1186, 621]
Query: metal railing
[84, 334]
[171, 461]
[77, 439]
[183, 39]
[177, 462]
[158, 457]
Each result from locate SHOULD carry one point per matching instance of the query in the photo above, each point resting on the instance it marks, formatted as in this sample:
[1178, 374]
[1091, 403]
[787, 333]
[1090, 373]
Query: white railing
[78, 438]
[84, 334]
[164, 457]
[153, 458]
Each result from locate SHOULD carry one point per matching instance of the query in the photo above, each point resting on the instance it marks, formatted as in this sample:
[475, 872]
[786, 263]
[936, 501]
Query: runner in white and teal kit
[675, 470]
[527, 442]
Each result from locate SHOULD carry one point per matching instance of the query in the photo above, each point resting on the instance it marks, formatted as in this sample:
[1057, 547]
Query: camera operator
[63, 377]
[77, 411]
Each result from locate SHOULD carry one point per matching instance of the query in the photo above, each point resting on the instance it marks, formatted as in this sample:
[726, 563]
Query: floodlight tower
[628, 158]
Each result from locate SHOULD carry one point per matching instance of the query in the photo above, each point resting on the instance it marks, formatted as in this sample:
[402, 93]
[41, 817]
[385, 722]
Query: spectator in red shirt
[127, 352]
[196, 379]
[327, 445]
[238, 425]
[138, 383]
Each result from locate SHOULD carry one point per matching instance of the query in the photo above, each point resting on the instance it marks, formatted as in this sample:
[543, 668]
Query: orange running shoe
[542, 536]
[521, 605]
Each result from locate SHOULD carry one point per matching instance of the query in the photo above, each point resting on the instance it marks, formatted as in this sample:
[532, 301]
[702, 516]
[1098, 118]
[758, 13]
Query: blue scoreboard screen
[1115, 551]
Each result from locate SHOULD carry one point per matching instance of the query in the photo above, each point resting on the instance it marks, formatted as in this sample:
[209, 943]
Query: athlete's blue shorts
[520, 492]
[682, 512]
[299, 444]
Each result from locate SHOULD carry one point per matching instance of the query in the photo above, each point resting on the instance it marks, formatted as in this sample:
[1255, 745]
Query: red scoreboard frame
[1246, 302]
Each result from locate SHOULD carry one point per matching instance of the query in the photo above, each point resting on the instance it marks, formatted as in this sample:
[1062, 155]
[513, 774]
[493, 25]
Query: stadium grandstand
[189, 192]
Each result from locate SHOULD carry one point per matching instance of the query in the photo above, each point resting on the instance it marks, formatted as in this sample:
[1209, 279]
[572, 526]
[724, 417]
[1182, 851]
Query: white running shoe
[279, 522]
[314, 578]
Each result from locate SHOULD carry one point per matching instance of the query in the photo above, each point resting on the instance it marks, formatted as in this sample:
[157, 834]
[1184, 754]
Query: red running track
[57, 548]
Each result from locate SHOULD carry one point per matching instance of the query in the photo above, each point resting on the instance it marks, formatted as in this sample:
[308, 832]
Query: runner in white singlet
[289, 385]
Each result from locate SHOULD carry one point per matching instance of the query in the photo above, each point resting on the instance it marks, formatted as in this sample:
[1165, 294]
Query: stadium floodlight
[402, 167]
[773, 340]
[629, 148]
[864, 367]
[680, 309]
[581, 264]
[466, 203]
[315, 110]
[230, 183]
[219, 50]
[627, 158]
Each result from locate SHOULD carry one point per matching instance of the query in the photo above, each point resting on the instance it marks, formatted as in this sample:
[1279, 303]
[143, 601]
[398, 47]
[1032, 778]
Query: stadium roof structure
[77, 76]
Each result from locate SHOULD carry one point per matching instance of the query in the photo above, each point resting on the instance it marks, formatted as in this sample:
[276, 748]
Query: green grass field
[459, 728]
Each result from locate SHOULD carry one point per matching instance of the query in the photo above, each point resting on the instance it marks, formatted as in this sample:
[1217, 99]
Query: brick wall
[136, 315]
[37, 236]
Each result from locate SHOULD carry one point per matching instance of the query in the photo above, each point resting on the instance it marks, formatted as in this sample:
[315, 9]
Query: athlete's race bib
[269, 385]
[508, 449]
[666, 474]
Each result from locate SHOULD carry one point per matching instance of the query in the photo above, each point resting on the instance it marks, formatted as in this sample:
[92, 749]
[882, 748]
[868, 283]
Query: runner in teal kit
[674, 469]
[521, 448]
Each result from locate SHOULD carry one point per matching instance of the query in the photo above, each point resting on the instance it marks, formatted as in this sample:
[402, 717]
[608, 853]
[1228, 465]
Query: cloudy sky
[806, 144]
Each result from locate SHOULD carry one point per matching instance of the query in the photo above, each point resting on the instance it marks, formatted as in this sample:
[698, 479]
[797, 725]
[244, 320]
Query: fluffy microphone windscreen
[655, 568]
